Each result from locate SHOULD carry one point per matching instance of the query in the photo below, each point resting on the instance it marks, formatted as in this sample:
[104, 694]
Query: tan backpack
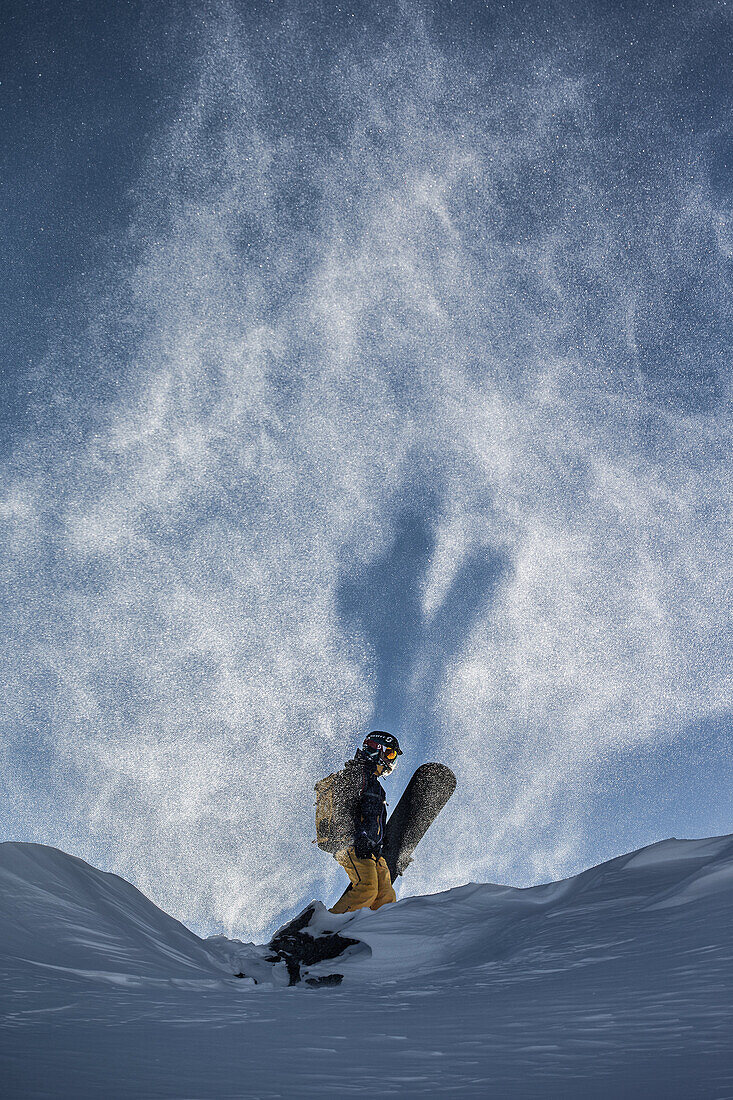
[335, 800]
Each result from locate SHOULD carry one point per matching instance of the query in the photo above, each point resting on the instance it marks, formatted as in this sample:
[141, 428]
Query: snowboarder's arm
[369, 821]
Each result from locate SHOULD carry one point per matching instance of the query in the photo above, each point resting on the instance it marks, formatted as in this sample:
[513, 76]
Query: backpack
[335, 804]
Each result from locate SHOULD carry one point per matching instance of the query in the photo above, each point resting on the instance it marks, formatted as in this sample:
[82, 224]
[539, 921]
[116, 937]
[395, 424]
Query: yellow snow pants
[370, 886]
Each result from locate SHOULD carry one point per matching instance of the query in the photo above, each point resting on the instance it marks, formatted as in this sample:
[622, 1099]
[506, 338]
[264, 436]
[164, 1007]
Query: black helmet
[383, 748]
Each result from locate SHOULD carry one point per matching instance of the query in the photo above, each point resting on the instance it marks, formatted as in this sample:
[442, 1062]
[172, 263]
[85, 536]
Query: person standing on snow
[371, 883]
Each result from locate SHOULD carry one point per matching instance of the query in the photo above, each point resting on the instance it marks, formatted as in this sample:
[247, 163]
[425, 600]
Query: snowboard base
[424, 797]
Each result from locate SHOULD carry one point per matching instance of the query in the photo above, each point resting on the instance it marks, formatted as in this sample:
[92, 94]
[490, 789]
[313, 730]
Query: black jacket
[370, 806]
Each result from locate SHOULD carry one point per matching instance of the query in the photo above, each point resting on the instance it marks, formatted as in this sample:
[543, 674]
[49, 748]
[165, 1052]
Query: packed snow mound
[569, 921]
[58, 912]
[477, 924]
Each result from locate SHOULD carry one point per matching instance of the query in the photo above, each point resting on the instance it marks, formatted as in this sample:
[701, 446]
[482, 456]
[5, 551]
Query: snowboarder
[366, 815]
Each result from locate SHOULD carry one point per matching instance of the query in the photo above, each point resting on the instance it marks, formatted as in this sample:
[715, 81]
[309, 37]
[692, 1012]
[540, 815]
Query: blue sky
[363, 366]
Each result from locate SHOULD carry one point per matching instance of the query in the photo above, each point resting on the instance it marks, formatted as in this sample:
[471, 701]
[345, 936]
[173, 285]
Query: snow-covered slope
[57, 912]
[615, 983]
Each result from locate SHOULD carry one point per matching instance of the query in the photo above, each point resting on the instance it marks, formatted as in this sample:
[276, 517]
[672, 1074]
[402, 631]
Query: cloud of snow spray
[436, 274]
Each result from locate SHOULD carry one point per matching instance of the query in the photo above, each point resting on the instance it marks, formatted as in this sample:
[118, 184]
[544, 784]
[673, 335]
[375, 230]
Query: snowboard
[423, 798]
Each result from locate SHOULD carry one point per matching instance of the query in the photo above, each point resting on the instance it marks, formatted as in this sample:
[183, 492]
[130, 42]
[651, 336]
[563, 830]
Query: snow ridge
[621, 974]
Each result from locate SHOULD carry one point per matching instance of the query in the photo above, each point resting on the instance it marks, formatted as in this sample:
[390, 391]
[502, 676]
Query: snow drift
[617, 981]
[58, 913]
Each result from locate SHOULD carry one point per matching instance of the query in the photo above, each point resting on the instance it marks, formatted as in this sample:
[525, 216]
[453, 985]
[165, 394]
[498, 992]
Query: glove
[363, 847]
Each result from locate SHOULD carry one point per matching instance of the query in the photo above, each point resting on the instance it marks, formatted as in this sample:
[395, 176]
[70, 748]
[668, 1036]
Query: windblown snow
[615, 983]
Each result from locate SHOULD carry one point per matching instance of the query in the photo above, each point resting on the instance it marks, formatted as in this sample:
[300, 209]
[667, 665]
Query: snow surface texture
[615, 983]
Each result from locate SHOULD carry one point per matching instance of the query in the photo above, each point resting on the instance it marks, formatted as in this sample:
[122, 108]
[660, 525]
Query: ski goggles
[387, 752]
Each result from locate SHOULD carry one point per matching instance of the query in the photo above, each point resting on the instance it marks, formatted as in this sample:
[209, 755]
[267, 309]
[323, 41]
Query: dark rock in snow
[294, 945]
